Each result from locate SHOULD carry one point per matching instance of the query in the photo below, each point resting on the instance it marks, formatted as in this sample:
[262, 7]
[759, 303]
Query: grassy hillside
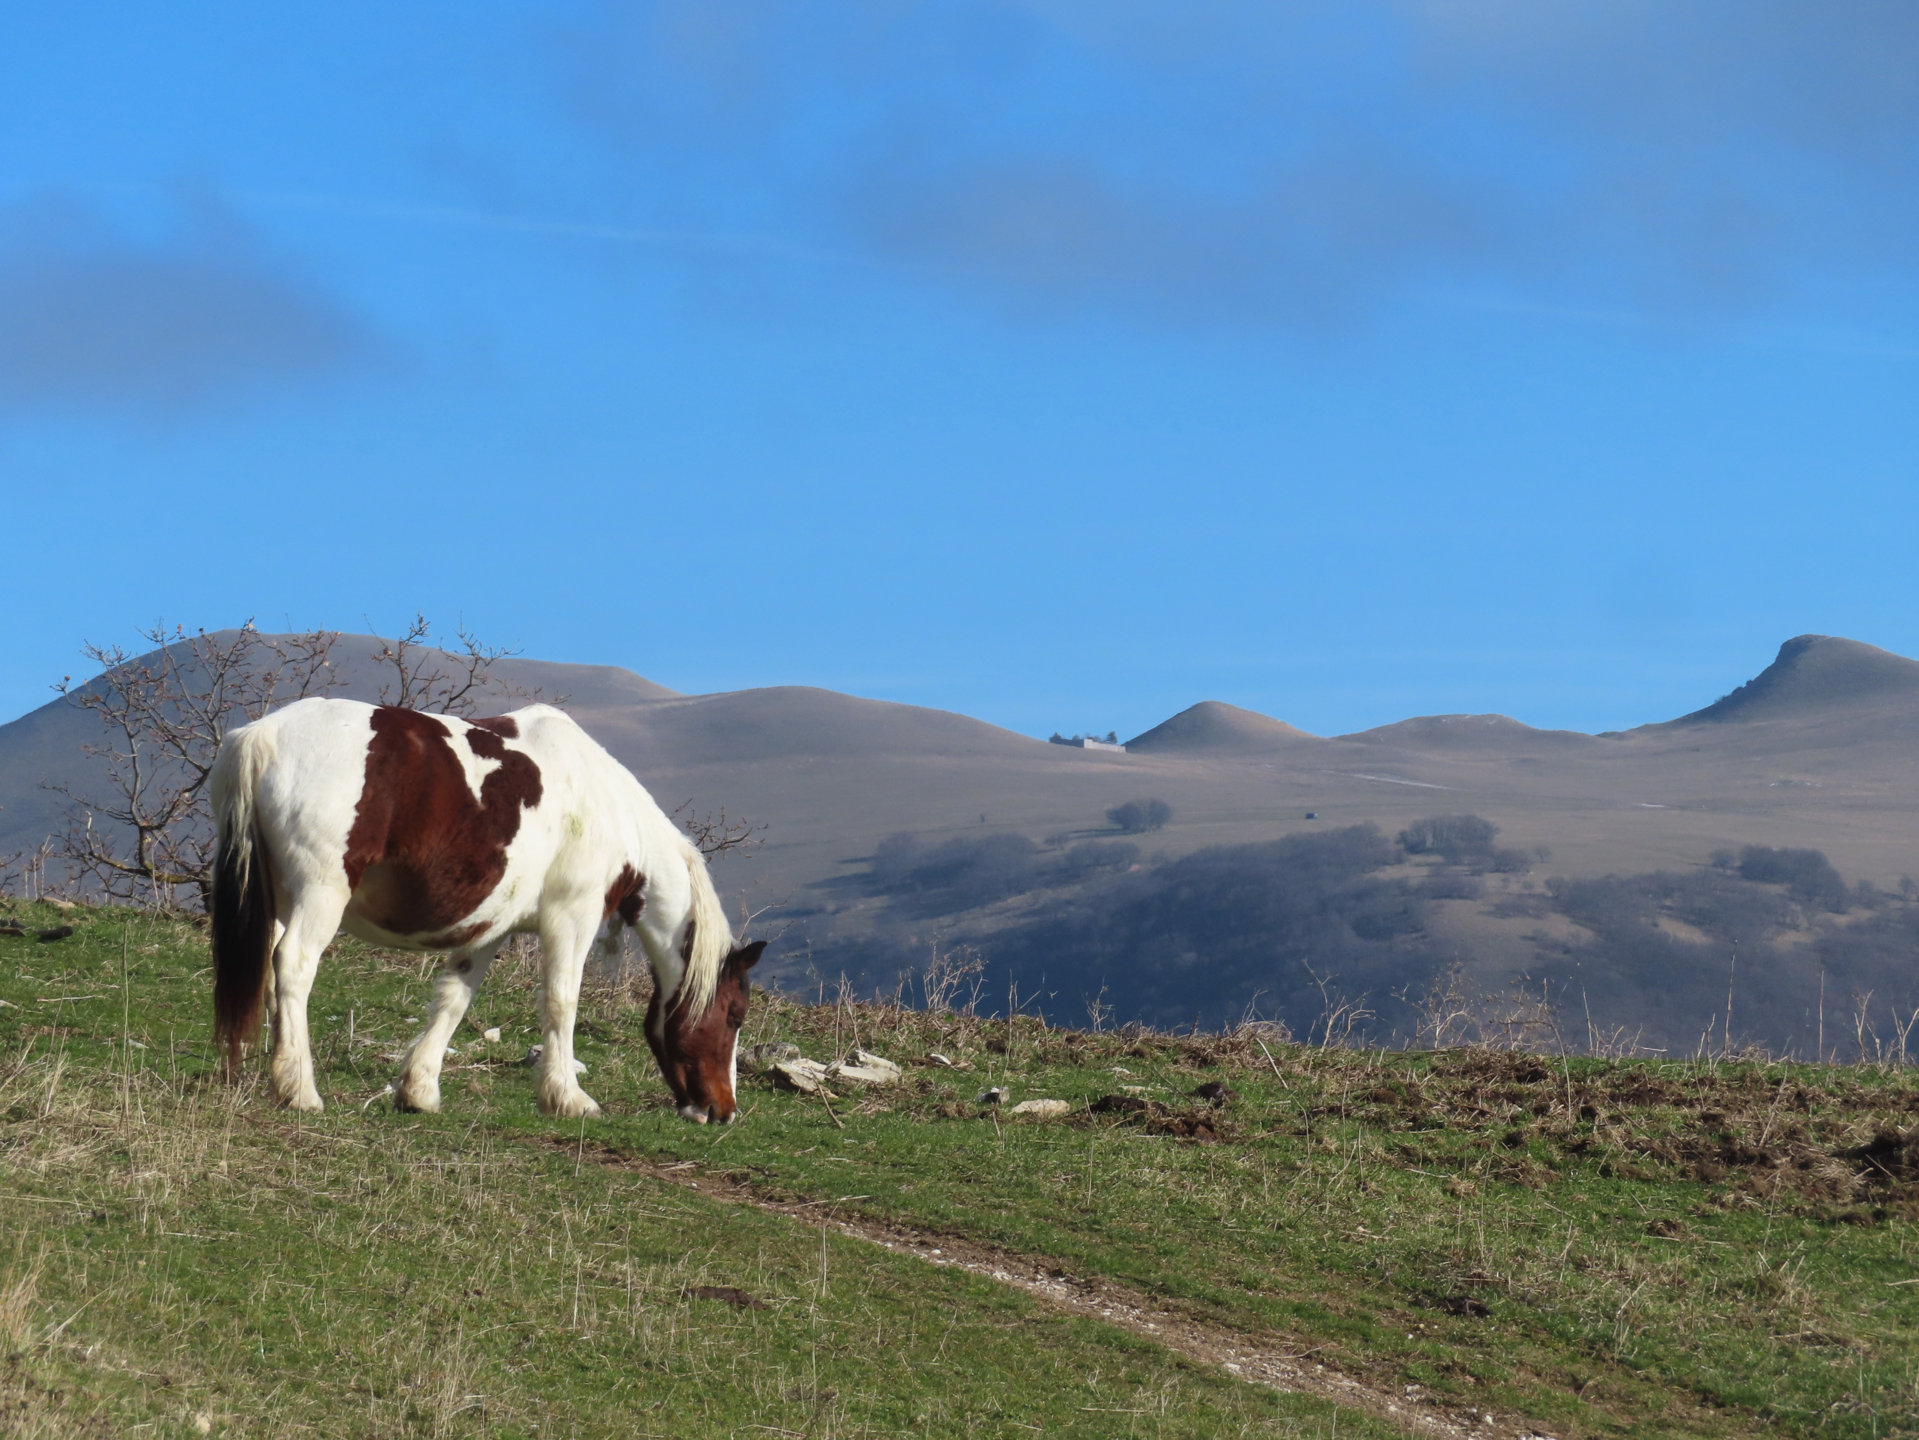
[1582, 1246]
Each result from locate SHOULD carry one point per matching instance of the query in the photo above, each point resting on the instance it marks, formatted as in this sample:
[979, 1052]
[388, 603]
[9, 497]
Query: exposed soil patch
[729, 1294]
[1835, 1154]
[1203, 1124]
[1274, 1360]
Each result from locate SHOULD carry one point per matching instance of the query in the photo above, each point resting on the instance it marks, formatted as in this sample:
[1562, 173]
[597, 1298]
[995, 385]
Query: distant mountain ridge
[832, 775]
[1467, 732]
[1818, 753]
[1814, 673]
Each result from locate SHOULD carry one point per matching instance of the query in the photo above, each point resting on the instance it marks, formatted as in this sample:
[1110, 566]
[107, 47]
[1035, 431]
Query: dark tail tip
[242, 944]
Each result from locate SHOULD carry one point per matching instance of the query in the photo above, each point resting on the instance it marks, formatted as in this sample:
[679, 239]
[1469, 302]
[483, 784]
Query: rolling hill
[1820, 751]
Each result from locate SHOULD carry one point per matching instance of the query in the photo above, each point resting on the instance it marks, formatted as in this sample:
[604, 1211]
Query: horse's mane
[712, 937]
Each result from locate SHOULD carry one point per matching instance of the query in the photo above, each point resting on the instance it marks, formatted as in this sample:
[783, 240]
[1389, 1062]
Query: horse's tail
[709, 935]
[242, 893]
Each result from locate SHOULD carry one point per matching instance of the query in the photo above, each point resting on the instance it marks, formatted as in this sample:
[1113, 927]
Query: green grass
[1695, 1256]
[1609, 1248]
[181, 1258]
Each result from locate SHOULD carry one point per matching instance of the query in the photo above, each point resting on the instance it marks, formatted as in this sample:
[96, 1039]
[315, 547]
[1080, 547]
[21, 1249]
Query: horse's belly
[395, 905]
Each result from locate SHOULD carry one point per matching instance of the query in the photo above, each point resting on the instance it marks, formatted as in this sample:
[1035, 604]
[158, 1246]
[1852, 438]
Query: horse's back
[432, 825]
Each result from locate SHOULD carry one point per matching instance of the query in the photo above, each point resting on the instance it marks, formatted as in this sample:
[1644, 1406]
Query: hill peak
[1213, 726]
[1813, 673]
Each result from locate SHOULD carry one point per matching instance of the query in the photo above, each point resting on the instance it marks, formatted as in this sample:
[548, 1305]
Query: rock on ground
[773, 1052]
[1040, 1109]
[808, 1077]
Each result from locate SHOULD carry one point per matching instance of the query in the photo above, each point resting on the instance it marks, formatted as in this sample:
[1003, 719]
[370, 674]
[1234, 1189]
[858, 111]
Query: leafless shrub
[947, 972]
[143, 833]
[1339, 1016]
[1445, 1015]
[719, 834]
[143, 837]
[1875, 1050]
[24, 873]
[1520, 1019]
[456, 680]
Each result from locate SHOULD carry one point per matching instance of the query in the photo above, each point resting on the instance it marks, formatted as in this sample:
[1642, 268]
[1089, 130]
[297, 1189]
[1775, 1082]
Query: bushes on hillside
[1264, 927]
[1462, 840]
[1228, 929]
[1808, 875]
[1136, 817]
[955, 875]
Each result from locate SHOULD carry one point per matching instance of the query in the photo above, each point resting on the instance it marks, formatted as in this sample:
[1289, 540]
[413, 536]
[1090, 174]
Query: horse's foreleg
[564, 942]
[418, 1085]
[314, 919]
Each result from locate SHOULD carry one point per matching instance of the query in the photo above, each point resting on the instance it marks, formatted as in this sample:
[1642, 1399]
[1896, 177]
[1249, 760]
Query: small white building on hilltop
[1088, 742]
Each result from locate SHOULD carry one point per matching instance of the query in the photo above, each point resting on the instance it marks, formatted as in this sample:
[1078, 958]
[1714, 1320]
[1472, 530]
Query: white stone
[1041, 1109]
[863, 1065]
[492, 1037]
[808, 1077]
[864, 1074]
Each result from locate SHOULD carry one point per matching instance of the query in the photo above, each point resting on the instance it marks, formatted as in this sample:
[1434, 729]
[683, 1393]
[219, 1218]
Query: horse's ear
[748, 955]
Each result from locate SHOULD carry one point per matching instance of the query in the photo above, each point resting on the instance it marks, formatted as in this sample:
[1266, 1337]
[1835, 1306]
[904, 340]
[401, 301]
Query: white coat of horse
[433, 832]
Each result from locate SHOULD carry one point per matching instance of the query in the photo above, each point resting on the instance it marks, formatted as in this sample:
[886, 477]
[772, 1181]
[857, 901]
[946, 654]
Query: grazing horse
[431, 832]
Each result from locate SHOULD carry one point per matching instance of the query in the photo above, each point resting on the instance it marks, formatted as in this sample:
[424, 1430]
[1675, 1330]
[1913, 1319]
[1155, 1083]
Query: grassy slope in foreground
[177, 1255]
[1610, 1248]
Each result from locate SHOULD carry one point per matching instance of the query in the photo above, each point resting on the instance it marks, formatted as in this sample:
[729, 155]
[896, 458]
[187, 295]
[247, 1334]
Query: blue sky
[1059, 363]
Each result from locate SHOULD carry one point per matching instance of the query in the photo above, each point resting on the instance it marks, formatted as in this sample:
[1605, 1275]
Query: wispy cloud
[1283, 166]
[95, 318]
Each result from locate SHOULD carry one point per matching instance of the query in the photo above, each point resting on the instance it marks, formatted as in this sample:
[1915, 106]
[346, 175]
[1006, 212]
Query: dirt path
[1259, 1360]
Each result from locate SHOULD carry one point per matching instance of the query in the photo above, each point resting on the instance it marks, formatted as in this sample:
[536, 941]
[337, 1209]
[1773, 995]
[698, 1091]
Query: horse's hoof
[577, 1106]
[696, 1113]
[306, 1104]
[415, 1104]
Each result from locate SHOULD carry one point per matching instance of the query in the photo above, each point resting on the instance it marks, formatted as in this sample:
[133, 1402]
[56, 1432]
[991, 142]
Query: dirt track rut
[1269, 1360]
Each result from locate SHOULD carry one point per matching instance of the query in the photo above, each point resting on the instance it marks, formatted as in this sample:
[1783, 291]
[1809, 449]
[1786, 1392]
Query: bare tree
[143, 833]
[718, 834]
[447, 681]
[145, 837]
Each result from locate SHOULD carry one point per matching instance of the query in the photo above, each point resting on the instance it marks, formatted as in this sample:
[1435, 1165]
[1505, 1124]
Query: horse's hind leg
[311, 922]
[272, 1002]
[417, 1086]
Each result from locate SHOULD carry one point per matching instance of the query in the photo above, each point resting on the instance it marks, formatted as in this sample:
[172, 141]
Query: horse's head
[699, 1054]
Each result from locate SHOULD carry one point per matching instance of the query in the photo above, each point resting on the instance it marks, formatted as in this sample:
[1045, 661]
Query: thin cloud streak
[652, 236]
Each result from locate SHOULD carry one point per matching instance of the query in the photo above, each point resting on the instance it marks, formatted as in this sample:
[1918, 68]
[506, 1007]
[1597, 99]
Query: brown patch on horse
[424, 852]
[455, 939]
[696, 1055]
[624, 897]
[505, 726]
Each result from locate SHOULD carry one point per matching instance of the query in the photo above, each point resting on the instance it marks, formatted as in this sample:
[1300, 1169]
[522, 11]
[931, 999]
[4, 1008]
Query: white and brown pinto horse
[431, 832]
